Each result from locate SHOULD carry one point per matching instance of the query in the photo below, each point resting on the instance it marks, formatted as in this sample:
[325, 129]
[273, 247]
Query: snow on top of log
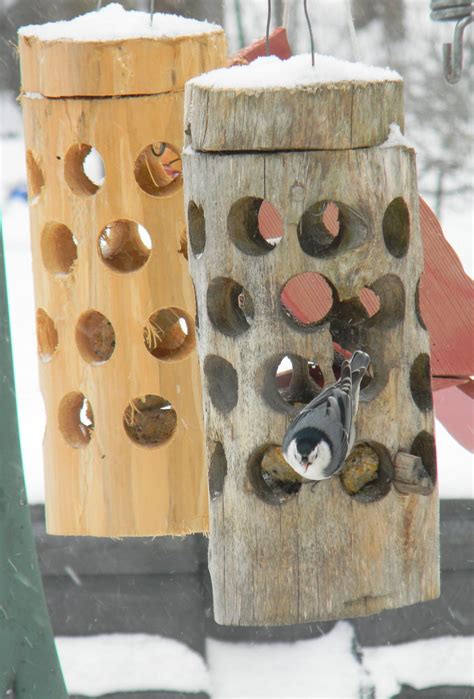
[396, 138]
[297, 71]
[114, 23]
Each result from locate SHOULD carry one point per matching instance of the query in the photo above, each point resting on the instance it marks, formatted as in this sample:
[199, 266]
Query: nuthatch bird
[322, 435]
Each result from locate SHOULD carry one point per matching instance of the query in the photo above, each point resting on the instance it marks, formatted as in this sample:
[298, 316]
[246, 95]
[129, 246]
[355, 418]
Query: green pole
[29, 665]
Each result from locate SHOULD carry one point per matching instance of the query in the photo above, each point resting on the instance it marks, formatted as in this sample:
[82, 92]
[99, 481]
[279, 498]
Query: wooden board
[321, 554]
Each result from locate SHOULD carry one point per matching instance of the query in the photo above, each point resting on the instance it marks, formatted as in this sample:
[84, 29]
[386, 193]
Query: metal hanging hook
[462, 12]
[99, 4]
[267, 32]
[152, 11]
[310, 28]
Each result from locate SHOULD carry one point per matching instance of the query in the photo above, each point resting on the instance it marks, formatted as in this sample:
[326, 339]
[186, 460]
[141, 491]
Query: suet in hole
[271, 478]
[84, 169]
[291, 382]
[196, 229]
[424, 446]
[418, 303]
[222, 383]
[150, 420]
[390, 293]
[328, 227]
[306, 300]
[254, 225]
[367, 473]
[158, 169]
[35, 175]
[396, 227]
[76, 419]
[58, 248]
[124, 245]
[169, 334]
[420, 382]
[217, 470]
[46, 335]
[95, 337]
[229, 306]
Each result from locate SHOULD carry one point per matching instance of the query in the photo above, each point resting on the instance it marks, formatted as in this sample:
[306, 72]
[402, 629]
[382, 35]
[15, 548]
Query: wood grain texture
[238, 120]
[322, 554]
[113, 486]
[116, 68]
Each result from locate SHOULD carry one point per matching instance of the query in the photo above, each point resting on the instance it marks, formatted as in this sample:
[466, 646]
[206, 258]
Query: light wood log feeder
[123, 447]
[305, 246]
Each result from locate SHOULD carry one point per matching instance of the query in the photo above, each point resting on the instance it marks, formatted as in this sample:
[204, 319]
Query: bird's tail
[359, 364]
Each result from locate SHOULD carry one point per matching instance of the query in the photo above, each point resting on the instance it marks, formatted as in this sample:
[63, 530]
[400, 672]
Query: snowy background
[439, 123]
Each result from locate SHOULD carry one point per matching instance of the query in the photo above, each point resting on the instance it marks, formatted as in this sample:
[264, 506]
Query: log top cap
[272, 73]
[114, 52]
[114, 23]
[279, 105]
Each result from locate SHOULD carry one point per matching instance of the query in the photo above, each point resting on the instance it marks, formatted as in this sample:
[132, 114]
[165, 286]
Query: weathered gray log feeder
[282, 552]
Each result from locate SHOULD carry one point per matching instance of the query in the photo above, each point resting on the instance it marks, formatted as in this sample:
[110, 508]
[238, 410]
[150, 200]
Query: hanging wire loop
[462, 12]
[152, 11]
[267, 32]
[310, 29]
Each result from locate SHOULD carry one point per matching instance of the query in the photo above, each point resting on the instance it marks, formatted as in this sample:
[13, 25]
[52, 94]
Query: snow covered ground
[100, 665]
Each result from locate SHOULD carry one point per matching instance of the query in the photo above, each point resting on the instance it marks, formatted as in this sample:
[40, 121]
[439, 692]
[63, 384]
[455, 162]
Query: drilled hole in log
[271, 478]
[420, 382]
[424, 446]
[217, 471]
[183, 245]
[46, 335]
[169, 334]
[254, 225]
[95, 337]
[229, 306]
[196, 228]
[35, 175]
[418, 303]
[84, 169]
[290, 382]
[124, 245]
[76, 419]
[367, 472]
[328, 227]
[396, 228]
[158, 169]
[58, 248]
[306, 300]
[370, 301]
[390, 291]
[150, 420]
[222, 383]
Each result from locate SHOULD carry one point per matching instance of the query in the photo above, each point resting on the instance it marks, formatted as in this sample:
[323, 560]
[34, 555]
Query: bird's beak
[305, 464]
